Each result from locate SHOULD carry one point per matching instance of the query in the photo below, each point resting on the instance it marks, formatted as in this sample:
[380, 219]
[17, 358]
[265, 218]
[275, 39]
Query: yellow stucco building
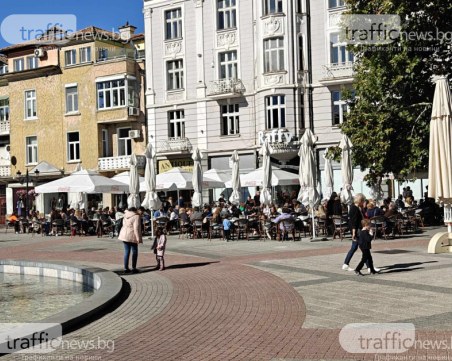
[73, 100]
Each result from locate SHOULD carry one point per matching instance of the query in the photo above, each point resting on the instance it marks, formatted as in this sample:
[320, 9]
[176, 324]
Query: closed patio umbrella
[235, 196]
[266, 196]
[197, 179]
[134, 184]
[308, 195]
[151, 200]
[440, 150]
[77, 200]
[346, 170]
[329, 175]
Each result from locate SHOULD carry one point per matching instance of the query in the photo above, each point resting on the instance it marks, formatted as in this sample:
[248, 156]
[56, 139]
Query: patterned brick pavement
[248, 305]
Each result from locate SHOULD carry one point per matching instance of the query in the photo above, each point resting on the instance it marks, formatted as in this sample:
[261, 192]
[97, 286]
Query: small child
[160, 248]
[227, 226]
[365, 245]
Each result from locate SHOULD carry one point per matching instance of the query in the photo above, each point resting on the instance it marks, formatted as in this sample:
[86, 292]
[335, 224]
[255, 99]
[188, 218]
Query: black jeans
[366, 258]
[350, 254]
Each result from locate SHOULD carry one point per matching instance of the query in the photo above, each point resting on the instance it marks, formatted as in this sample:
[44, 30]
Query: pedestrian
[131, 236]
[355, 216]
[159, 250]
[365, 245]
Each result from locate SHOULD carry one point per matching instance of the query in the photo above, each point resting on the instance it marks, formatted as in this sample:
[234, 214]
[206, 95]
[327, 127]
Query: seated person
[373, 211]
[14, 220]
[285, 215]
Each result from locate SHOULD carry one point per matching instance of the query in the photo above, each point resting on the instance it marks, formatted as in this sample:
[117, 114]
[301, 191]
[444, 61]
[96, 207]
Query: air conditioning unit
[133, 134]
[134, 111]
[39, 53]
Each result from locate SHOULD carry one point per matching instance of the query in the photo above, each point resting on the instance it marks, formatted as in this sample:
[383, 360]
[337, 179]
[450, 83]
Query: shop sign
[167, 164]
[275, 136]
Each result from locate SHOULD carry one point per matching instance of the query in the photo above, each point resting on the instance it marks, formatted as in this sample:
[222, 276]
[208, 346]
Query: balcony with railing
[119, 163]
[4, 127]
[5, 171]
[176, 145]
[225, 88]
[108, 54]
[341, 72]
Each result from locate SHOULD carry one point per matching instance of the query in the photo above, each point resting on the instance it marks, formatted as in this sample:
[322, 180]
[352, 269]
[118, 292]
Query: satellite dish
[13, 160]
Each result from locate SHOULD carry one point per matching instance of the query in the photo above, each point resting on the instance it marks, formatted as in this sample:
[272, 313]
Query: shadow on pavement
[404, 267]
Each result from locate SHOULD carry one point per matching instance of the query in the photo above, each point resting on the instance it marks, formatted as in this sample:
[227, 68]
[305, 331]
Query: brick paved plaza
[254, 300]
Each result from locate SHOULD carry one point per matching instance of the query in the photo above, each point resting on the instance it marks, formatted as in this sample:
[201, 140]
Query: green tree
[389, 118]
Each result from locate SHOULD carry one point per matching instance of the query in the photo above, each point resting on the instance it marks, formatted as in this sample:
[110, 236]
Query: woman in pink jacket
[131, 236]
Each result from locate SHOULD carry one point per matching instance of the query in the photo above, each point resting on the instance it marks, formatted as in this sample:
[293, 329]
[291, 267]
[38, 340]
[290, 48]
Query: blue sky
[106, 14]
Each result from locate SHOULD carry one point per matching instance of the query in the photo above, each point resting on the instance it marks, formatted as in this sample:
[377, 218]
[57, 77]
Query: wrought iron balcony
[174, 145]
[225, 88]
[118, 163]
[337, 72]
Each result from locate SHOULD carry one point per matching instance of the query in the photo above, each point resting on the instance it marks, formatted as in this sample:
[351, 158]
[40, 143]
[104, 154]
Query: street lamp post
[27, 179]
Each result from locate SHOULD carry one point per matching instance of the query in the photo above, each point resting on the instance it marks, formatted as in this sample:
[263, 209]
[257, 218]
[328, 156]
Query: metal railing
[5, 126]
[174, 145]
[5, 171]
[226, 86]
[121, 162]
[333, 71]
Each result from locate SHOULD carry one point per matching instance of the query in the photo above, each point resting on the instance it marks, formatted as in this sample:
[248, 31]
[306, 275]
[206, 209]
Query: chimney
[126, 31]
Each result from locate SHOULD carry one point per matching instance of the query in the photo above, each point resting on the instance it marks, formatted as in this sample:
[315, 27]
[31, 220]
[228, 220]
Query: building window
[73, 146]
[175, 74]
[30, 104]
[102, 54]
[340, 107]
[4, 110]
[124, 142]
[70, 57]
[339, 52]
[273, 55]
[227, 14]
[32, 150]
[272, 7]
[336, 3]
[19, 64]
[230, 119]
[71, 99]
[173, 23]
[3, 69]
[176, 124]
[111, 94]
[228, 65]
[105, 145]
[85, 55]
[275, 106]
[32, 62]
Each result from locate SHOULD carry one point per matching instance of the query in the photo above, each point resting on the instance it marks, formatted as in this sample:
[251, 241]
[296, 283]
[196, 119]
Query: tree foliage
[389, 118]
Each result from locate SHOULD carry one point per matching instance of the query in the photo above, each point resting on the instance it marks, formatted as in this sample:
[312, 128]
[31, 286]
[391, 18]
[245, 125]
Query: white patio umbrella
[346, 170]
[133, 200]
[329, 175]
[440, 151]
[174, 179]
[151, 200]
[124, 177]
[83, 181]
[308, 195]
[197, 178]
[235, 196]
[220, 176]
[279, 178]
[77, 200]
[266, 196]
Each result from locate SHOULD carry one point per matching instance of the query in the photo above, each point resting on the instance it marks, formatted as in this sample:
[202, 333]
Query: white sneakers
[375, 268]
[346, 267]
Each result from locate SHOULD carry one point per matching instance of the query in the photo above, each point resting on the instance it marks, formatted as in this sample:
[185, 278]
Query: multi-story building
[74, 100]
[226, 74]
[222, 76]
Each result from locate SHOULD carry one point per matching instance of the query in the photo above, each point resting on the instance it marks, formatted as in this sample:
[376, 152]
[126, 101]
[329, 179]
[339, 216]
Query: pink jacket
[131, 228]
